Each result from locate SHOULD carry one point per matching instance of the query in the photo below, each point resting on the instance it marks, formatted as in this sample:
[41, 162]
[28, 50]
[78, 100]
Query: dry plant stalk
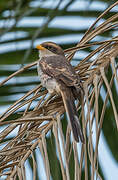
[34, 125]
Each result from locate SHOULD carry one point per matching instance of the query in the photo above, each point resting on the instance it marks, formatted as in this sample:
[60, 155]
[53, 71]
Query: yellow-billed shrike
[58, 75]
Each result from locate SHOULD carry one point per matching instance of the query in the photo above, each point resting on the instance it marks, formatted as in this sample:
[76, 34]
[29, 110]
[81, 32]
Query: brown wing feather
[59, 68]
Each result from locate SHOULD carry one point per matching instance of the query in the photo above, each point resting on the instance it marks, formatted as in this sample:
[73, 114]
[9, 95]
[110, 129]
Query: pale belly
[48, 82]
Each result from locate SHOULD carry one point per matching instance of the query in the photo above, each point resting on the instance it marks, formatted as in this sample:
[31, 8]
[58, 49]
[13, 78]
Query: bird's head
[49, 49]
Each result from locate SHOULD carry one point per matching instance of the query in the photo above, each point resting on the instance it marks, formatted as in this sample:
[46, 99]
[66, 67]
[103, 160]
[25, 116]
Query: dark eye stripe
[48, 47]
[53, 48]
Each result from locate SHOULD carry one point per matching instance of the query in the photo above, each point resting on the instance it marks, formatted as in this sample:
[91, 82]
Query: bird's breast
[47, 81]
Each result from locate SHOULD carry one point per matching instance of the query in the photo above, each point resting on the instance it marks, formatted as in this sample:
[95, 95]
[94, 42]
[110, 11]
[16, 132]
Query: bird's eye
[46, 46]
[49, 47]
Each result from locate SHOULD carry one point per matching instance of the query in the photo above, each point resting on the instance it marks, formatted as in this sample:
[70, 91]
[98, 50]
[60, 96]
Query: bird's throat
[46, 53]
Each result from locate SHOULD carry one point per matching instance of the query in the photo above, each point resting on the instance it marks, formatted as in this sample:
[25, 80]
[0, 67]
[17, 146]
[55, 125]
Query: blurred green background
[25, 23]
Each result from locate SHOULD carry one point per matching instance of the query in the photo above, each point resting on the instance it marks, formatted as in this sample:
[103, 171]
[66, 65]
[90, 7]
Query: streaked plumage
[57, 74]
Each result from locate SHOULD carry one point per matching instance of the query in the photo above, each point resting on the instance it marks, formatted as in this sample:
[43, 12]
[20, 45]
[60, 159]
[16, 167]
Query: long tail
[71, 111]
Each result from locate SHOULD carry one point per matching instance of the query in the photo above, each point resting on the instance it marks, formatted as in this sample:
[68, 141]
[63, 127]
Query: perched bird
[58, 75]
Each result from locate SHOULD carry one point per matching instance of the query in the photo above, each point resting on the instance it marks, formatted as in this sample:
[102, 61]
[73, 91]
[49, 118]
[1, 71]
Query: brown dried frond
[33, 125]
